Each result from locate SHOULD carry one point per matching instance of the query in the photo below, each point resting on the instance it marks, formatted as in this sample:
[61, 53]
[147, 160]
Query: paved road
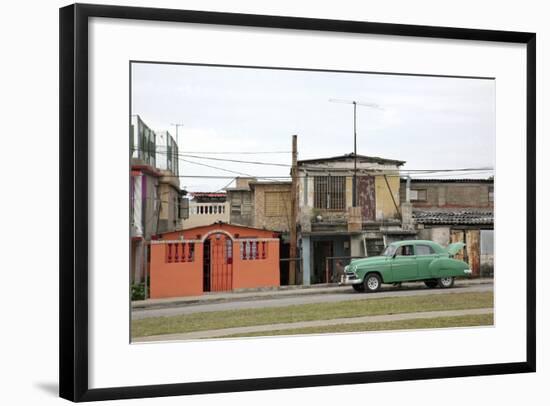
[194, 335]
[274, 301]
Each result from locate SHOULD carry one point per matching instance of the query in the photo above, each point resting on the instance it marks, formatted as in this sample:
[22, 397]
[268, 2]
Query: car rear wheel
[446, 282]
[431, 284]
[359, 287]
[372, 282]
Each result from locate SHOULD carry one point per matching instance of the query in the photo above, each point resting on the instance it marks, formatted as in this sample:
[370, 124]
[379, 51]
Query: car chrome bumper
[350, 280]
[468, 271]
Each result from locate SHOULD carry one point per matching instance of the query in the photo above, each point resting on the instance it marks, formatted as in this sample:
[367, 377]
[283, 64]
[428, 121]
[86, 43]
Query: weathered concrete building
[241, 202]
[167, 152]
[271, 205]
[143, 195]
[438, 194]
[173, 205]
[331, 229]
[264, 205]
[453, 210]
[206, 208]
[157, 203]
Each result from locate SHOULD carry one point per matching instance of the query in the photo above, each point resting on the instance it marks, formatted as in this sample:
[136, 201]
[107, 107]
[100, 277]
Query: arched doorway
[218, 262]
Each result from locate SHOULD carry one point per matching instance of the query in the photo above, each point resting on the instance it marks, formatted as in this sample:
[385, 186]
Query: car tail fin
[454, 248]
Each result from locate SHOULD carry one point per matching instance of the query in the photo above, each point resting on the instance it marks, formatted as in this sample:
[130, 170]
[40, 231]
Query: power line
[236, 160]
[179, 155]
[312, 168]
[327, 167]
[321, 168]
[223, 169]
[391, 174]
[222, 188]
[283, 177]
[309, 168]
[237, 152]
[156, 149]
[342, 172]
[209, 166]
[403, 171]
[450, 174]
[485, 168]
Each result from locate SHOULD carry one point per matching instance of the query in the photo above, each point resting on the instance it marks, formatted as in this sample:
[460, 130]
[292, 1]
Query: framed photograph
[254, 202]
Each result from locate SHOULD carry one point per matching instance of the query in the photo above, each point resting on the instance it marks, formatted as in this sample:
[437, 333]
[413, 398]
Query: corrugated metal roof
[208, 194]
[453, 217]
[269, 183]
[345, 157]
[237, 189]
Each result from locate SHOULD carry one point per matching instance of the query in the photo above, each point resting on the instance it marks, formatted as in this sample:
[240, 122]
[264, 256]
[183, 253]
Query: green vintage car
[407, 261]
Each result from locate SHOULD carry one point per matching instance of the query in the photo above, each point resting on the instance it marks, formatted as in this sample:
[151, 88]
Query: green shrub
[138, 291]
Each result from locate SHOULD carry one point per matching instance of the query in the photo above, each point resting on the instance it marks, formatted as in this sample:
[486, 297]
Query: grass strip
[437, 322]
[306, 312]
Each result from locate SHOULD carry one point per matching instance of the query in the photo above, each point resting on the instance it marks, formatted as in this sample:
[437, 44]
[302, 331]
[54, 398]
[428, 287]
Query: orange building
[218, 257]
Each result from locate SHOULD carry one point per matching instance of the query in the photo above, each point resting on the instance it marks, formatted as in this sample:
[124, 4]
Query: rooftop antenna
[177, 125]
[355, 104]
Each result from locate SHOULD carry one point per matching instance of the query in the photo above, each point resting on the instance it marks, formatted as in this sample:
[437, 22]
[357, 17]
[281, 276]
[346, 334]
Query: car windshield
[389, 251]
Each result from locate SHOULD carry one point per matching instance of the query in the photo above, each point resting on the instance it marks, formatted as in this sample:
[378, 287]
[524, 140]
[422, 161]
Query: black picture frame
[73, 282]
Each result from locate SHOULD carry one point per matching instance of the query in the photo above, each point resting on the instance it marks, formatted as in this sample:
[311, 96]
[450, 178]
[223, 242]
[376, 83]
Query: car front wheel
[372, 282]
[359, 287]
[447, 282]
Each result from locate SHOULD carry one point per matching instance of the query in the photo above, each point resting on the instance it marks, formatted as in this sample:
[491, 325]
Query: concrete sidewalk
[283, 291]
[195, 335]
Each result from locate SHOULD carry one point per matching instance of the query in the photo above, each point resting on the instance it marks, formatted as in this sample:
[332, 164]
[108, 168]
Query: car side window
[405, 250]
[424, 250]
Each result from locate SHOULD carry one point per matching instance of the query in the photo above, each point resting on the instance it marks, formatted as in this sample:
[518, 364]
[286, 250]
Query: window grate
[330, 192]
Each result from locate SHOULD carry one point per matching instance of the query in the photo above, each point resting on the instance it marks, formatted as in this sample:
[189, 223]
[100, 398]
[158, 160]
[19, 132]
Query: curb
[268, 293]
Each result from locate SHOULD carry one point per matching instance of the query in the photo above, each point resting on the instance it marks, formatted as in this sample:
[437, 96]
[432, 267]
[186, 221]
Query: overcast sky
[429, 122]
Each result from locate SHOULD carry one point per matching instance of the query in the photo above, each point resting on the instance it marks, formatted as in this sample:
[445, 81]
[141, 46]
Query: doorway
[218, 263]
[321, 250]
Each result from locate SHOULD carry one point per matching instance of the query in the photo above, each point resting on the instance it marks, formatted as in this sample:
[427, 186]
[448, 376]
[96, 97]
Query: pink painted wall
[257, 272]
[176, 278]
[173, 279]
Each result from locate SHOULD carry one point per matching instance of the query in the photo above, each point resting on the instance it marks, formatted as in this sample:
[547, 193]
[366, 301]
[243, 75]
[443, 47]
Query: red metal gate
[221, 263]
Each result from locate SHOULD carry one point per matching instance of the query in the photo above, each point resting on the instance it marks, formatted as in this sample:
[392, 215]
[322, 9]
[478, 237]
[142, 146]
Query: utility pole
[355, 104]
[354, 183]
[293, 212]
